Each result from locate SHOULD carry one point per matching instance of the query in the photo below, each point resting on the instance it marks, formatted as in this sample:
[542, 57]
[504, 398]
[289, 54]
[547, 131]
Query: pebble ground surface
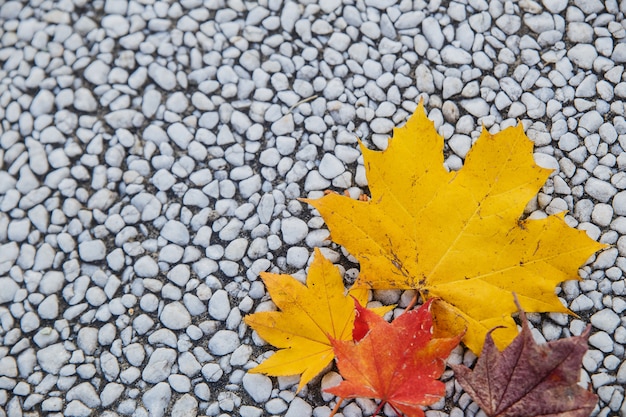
[151, 154]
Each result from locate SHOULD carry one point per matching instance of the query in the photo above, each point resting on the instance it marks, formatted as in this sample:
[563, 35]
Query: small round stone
[294, 230]
[175, 316]
[92, 250]
[223, 342]
[146, 267]
[258, 386]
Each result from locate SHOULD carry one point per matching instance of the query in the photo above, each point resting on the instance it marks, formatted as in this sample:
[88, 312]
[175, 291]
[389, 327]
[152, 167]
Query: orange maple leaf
[458, 236]
[398, 362]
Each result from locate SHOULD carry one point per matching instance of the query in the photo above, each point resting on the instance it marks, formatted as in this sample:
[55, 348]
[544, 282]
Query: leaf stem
[380, 407]
[412, 303]
[339, 401]
[302, 102]
[396, 410]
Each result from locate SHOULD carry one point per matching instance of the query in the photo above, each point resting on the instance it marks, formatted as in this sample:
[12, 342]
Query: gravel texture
[152, 152]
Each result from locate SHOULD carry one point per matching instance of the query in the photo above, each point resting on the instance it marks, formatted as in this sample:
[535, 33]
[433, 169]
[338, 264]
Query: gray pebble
[330, 166]
[111, 393]
[175, 232]
[275, 406]
[29, 322]
[297, 256]
[602, 214]
[582, 55]
[602, 341]
[77, 409]
[92, 250]
[600, 190]
[567, 142]
[142, 323]
[106, 334]
[455, 56]
[619, 53]
[223, 342]
[52, 358]
[219, 305]
[162, 76]
[432, 32]
[48, 309]
[293, 230]
[85, 393]
[175, 316]
[298, 407]
[51, 282]
[159, 365]
[149, 302]
[258, 386]
[9, 287]
[188, 364]
[619, 203]
[157, 399]
[605, 320]
[283, 126]
[212, 372]
[477, 107]
[97, 72]
[135, 354]
[186, 405]
[591, 121]
[179, 274]
[18, 229]
[87, 340]
[146, 267]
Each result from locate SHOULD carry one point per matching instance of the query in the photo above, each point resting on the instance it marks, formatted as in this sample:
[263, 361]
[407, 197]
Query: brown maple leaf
[397, 363]
[529, 379]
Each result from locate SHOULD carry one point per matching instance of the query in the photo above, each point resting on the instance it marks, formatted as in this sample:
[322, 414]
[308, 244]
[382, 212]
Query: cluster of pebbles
[151, 154]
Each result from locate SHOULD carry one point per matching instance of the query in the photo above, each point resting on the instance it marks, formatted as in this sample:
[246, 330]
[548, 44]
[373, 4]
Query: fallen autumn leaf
[458, 236]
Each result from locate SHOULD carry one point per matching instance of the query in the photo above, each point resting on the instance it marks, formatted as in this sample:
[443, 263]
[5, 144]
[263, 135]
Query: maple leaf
[310, 315]
[398, 362]
[458, 236]
[528, 379]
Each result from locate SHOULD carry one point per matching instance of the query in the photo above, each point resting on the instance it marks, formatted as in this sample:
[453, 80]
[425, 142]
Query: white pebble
[52, 358]
[602, 341]
[162, 76]
[159, 365]
[606, 320]
[157, 399]
[294, 230]
[97, 72]
[146, 267]
[258, 386]
[223, 342]
[175, 316]
[219, 305]
[600, 190]
[283, 126]
[92, 250]
[175, 232]
[330, 166]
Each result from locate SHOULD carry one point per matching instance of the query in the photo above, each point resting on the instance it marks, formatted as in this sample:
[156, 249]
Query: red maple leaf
[528, 379]
[398, 363]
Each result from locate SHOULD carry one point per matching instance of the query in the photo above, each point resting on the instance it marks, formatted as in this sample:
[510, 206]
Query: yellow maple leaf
[310, 315]
[458, 236]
